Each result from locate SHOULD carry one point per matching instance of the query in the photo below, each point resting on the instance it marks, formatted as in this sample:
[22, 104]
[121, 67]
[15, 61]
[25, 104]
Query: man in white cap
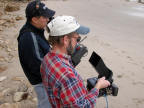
[63, 84]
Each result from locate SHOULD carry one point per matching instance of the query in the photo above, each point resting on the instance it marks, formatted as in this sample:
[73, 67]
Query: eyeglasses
[77, 38]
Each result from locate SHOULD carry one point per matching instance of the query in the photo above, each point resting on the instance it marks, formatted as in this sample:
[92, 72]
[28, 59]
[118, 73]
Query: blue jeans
[42, 96]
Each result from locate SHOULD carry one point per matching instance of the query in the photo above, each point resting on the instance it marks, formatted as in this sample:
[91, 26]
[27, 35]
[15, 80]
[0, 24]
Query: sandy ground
[116, 35]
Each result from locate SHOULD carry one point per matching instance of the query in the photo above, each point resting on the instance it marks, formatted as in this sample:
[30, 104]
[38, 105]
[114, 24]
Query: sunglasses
[77, 38]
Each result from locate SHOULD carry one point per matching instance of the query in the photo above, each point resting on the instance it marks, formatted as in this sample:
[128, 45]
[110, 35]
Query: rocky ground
[116, 35]
[15, 90]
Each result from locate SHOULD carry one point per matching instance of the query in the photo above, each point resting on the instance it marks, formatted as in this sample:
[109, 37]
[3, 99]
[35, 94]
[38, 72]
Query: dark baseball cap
[33, 11]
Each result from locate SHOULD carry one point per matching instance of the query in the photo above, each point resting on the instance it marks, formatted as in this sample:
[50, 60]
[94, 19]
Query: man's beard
[70, 48]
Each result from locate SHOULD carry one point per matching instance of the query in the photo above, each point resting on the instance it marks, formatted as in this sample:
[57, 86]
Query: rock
[8, 105]
[6, 95]
[15, 49]
[27, 83]
[1, 95]
[2, 87]
[2, 78]
[11, 20]
[35, 100]
[8, 22]
[9, 50]
[18, 96]
[10, 7]
[31, 92]
[18, 78]
[1, 29]
[2, 68]
[6, 42]
[19, 18]
[1, 40]
[6, 59]
[2, 22]
[1, 102]
[22, 87]
[1, 13]
[29, 97]
[5, 105]
[28, 104]
[6, 92]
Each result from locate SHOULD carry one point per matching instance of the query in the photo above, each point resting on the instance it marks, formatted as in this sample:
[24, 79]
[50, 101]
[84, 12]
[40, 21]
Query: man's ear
[35, 20]
[66, 40]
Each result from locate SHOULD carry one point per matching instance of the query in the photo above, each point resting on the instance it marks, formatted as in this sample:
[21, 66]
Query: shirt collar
[64, 57]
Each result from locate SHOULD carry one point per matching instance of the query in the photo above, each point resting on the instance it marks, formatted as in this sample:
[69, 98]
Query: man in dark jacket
[32, 47]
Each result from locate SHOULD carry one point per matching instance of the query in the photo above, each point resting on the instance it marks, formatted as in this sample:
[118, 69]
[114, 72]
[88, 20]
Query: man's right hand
[102, 83]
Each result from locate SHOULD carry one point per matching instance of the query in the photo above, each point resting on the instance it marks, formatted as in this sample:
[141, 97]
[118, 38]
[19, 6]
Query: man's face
[41, 22]
[72, 43]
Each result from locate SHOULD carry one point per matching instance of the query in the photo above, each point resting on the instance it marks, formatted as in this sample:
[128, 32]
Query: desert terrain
[116, 35]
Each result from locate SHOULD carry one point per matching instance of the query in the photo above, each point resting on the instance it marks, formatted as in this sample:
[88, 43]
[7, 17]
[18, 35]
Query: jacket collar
[34, 29]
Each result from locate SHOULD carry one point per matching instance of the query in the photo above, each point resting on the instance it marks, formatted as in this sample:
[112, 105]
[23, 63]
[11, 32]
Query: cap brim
[83, 30]
[49, 13]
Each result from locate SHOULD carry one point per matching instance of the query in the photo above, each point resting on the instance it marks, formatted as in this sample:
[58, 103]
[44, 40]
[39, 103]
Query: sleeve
[74, 93]
[29, 54]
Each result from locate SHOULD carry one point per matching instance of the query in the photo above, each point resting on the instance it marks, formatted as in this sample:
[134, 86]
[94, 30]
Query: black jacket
[32, 47]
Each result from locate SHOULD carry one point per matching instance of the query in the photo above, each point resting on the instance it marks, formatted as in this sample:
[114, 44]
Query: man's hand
[102, 83]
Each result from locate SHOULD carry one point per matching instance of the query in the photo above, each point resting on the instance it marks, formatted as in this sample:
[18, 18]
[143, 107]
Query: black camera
[79, 52]
[102, 70]
[99, 66]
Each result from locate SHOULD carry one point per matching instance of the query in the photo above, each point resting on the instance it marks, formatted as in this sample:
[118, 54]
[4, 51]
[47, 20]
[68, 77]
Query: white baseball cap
[62, 25]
